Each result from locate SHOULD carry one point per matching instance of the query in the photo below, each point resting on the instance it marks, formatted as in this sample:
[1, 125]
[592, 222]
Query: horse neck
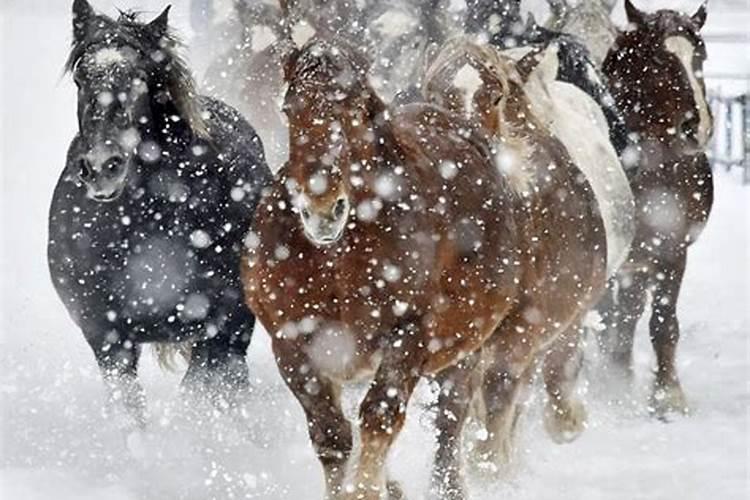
[167, 126]
[372, 142]
[372, 123]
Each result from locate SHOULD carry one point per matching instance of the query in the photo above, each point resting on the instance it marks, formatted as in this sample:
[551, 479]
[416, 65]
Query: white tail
[166, 354]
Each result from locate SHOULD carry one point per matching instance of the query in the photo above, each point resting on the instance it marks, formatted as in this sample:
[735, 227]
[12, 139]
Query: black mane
[171, 71]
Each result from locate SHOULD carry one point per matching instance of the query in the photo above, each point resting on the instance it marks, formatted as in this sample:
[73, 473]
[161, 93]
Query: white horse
[578, 122]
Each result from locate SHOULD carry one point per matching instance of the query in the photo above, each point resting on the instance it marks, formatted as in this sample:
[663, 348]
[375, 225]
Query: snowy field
[56, 445]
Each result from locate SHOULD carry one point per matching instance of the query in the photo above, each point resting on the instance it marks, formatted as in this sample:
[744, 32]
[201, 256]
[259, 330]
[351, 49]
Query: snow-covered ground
[55, 443]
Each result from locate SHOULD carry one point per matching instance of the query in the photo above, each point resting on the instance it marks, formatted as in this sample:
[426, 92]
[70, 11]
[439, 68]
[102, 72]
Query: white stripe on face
[468, 81]
[684, 50]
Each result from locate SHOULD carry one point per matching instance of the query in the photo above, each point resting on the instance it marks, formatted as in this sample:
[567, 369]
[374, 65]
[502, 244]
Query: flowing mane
[129, 31]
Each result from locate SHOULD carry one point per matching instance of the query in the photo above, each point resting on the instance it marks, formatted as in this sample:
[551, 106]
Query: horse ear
[82, 14]
[160, 25]
[549, 63]
[699, 18]
[531, 24]
[635, 16]
[290, 61]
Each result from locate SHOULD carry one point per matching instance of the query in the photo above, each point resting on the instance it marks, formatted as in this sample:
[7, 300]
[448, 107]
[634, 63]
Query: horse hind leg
[565, 414]
[667, 395]
[454, 404]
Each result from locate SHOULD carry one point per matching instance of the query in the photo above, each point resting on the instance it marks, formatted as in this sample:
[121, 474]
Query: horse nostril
[689, 127]
[340, 208]
[85, 171]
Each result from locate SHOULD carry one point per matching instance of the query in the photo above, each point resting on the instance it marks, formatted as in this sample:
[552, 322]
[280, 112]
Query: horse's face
[324, 89]
[469, 87]
[112, 101]
[114, 66]
[492, 18]
[663, 91]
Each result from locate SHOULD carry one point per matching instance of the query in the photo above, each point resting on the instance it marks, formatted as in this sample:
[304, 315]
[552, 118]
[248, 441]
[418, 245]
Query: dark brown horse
[561, 259]
[655, 71]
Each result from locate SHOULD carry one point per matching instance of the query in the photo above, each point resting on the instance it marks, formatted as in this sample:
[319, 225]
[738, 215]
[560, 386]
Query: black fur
[161, 262]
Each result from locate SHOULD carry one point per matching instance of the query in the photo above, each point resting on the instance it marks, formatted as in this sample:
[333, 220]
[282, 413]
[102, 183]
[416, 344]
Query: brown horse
[365, 261]
[655, 71]
[393, 246]
[561, 261]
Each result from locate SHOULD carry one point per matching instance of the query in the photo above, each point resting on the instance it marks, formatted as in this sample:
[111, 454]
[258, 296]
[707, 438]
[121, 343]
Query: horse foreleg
[383, 412]
[454, 403]
[117, 358]
[329, 430]
[565, 414]
[510, 358]
[667, 395]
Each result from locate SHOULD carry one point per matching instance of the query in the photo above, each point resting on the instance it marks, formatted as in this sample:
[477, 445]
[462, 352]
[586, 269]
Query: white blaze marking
[684, 50]
[109, 56]
[467, 79]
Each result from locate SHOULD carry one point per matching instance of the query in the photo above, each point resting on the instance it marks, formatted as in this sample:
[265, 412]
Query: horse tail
[166, 354]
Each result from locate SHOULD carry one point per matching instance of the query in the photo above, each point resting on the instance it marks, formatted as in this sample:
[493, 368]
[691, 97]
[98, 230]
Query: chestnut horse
[561, 258]
[365, 261]
[672, 183]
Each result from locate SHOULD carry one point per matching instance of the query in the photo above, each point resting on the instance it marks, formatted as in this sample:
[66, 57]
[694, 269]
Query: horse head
[500, 21]
[122, 68]
[474, 81]
[656, 70]
[331, 109]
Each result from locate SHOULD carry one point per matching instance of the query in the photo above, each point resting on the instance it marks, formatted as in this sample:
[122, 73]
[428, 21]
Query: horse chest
[141, 255]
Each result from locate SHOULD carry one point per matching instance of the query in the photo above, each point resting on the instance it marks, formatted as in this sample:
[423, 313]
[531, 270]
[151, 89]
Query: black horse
[502, 24]
[148, 218]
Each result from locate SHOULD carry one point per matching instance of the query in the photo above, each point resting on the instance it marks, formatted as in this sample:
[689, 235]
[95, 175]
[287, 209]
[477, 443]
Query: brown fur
[455, 245]
[672, 186]
[561, 272]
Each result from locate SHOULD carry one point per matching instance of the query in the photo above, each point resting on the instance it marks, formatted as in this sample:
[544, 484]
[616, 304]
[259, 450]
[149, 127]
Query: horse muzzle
[327, 228]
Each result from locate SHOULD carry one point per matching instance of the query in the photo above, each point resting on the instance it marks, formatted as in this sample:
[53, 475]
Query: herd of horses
[460, 227]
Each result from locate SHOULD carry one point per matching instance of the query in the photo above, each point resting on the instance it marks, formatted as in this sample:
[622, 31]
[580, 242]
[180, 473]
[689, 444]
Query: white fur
[684, 50]
[576, 119]
[109, 56]
[467, 80]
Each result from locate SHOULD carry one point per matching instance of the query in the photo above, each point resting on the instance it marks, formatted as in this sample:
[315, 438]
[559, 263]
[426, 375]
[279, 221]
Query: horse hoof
[492, 461]
[668, 400]
[394, 491]
[565, 420]
[448, 493]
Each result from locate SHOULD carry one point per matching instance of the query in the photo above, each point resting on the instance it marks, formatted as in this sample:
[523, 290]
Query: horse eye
[113, 165]
[305, 213]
